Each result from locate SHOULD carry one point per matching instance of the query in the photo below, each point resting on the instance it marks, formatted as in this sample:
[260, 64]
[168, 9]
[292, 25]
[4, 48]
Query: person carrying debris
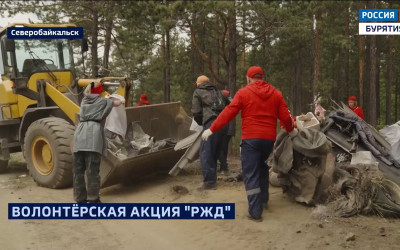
[223, 155]
[143, 100]
[261, 105]
[207, 103]
[89, 143]
[352, 102]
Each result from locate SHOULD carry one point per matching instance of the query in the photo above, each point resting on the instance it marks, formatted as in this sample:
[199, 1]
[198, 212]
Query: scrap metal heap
[343, 165]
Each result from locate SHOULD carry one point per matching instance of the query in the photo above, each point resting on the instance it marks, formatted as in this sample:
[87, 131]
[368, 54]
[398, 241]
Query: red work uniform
[358, 110]
[261, 106]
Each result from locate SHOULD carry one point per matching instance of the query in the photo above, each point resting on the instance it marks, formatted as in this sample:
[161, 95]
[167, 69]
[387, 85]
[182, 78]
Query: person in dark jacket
[207, 103]
[223, 155]
[89, 143]
[260, 105]
[143, 101]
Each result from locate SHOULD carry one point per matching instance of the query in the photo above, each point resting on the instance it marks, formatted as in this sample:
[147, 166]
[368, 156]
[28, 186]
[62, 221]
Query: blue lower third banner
[45, 32]
[204, 211]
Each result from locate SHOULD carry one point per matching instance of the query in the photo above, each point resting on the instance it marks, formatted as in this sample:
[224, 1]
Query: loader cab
[21, 58]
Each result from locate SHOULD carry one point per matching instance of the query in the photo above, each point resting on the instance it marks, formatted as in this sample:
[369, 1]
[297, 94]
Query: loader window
[33, 54]
[8, 69]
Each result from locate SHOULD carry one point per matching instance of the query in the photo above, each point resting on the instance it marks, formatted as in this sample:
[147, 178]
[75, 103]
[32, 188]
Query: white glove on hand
[207, 133]
[293, 133]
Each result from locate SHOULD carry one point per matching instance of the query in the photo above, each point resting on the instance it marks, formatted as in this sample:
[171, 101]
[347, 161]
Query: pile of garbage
[137, 142]
[130, 140]
[341, 165]
[360, 189]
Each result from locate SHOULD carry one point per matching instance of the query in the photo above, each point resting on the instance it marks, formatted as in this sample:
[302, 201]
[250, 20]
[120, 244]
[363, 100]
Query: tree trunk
[389, 82]
[372, 75]
[378, 74]
[232, 52]
[361, 49]
[217, 48]
[298, 90]
[107, 45]
[317, 52]
[163, 51]
[396, 98]
[266, 62]
[372, 82]
[389, 75]
[93, 49]
[167, 82]
[205, 57]
[243, 55]
[346, 79]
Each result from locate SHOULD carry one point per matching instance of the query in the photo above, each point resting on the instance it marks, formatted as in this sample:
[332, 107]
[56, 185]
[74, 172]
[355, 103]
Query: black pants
[209, 152]
[88, 163]
[223, 154]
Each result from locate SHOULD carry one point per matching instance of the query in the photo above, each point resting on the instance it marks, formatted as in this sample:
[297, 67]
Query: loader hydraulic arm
[70, 108]
[63, 102]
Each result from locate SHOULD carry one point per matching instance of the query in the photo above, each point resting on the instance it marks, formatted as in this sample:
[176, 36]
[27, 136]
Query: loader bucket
[160, 121]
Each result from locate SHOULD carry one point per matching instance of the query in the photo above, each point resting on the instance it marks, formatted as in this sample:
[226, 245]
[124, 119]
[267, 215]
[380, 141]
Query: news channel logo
[378, 22]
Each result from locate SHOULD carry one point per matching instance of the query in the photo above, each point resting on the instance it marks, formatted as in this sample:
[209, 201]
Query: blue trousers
[209, 152]
[254, 153]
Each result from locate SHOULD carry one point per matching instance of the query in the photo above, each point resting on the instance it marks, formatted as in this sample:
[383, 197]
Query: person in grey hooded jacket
[89, 143]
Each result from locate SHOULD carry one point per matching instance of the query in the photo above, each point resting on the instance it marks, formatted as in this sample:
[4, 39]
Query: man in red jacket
[261, 105]
[352, 102]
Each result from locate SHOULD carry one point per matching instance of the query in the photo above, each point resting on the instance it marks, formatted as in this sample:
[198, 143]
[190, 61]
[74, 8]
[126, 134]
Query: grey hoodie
[89, 135]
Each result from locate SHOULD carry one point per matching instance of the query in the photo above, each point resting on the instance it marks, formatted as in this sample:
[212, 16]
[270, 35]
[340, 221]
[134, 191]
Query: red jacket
[261, 105]
[358, 110]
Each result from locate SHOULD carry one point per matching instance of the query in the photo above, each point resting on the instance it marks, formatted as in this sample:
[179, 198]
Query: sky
[19, 18]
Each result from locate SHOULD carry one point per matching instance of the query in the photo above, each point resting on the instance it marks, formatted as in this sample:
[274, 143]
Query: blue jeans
[254, 153]
[209, 152]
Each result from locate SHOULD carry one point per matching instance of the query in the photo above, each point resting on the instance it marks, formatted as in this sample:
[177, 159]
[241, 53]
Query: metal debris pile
[137, 142]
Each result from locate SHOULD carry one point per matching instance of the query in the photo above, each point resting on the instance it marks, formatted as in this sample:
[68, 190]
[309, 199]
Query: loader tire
[3, 166]
[47, 148]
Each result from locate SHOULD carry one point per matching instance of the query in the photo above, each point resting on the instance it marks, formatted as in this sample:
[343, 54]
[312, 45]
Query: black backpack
[219, 101]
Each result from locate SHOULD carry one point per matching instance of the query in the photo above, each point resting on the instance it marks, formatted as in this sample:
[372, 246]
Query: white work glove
[207, 133]
[293, 133]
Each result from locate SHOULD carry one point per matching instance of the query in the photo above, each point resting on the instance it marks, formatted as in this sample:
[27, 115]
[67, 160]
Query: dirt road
[286, 225]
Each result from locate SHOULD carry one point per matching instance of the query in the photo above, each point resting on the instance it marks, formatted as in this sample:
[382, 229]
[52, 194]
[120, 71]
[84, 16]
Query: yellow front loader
[39, 109]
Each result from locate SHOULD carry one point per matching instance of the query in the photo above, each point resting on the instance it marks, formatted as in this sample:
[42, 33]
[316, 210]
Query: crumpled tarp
[392, 135]
[300, 163]
[364, 133]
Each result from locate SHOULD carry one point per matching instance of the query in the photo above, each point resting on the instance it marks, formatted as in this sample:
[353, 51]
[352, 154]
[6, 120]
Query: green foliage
[277, 35]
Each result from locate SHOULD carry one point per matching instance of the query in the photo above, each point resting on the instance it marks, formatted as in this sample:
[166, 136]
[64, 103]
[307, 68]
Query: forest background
[306, 48]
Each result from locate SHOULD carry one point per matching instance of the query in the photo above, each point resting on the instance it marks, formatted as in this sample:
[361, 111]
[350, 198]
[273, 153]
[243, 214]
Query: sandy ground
[286, 225]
